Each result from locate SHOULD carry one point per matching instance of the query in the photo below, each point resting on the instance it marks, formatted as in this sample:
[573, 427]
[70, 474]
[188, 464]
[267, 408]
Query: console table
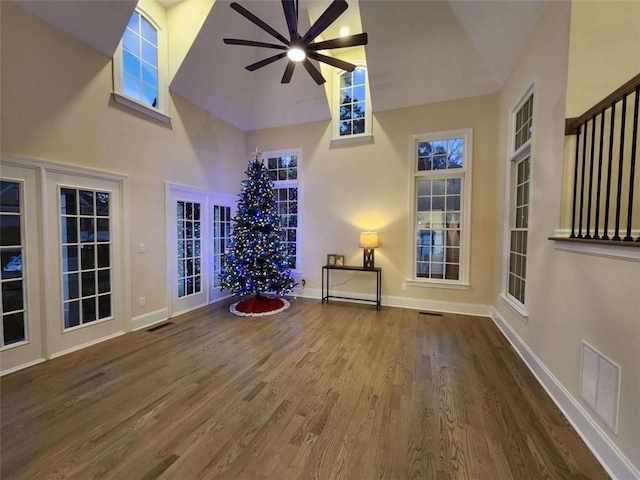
[326, 270]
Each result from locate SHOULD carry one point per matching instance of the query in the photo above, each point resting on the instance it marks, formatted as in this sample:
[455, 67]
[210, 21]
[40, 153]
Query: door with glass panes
[20, 269]
[85, 277]
[187, 249]
[223, 209]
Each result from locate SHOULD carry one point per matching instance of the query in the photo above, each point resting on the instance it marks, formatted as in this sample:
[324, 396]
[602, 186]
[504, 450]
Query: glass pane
[453, 202]
[424, 204]
[104, 306]
[68, 201]
[131, 87]
[453, 255]
[131, 42]
[87, 230]
[89, 310]
[13, 328]
[197, 284]
[359, 76]
[69, 229]
[87, 257]
[181, 289]
[453, 239]
[438, 187]
[71, 314]
[180, 210]
[104, 281]
[134, 22]
[12, 298]
[88, 283]
[70, 258]
[70, 286]
[196, 230]
[196, 211]
[102, 230]
[102, 204]
[11, 260]
[131, 64]
[149, 53]
[150, 96]
[189, 271]
[440, 162]
[345, 80]
[10, 230]
[103, 256]
[359, 94]
[196, 266]
[452, 272]
[189, 285]
[9, 197]
[345, 112]
[188, 230]
[149, 75]
[345, 128]
[148, 31]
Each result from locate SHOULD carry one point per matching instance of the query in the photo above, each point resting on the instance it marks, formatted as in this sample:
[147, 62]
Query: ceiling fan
[300, 48]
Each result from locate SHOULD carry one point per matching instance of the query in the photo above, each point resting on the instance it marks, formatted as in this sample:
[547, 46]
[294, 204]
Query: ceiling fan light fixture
[296, 54]
[344, 31]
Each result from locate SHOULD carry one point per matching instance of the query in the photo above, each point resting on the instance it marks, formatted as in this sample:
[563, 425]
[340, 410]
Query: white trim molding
[616, 250]
[22, 367]
[148, 319]
[85, 345]
[607, 453]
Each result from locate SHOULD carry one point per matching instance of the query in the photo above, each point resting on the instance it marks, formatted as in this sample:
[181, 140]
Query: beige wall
[56, 105]
[348, 189]
[570, 297]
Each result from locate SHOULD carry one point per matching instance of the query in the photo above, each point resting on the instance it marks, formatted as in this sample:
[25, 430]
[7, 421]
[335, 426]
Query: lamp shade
[368, 239]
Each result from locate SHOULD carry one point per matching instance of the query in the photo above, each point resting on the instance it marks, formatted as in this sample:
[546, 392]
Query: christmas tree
[255, 262]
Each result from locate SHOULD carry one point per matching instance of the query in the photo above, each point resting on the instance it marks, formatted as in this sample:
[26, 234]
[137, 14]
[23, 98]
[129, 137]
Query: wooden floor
[316, 392]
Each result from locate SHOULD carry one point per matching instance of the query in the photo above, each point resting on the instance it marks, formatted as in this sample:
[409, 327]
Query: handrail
[573, 124]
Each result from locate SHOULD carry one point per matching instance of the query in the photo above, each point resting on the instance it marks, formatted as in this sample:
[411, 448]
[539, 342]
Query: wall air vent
[600, 385]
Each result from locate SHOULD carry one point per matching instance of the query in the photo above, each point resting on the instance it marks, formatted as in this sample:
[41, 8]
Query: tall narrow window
[221, 238]
[441, 189]
[519, 180]
[352, 109]
[283, 171]
[189, 249]
[86, 256]
[11, 254]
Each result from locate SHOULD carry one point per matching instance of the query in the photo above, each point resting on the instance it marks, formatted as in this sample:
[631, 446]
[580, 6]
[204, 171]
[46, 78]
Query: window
[519, 181]
[221, 238]
[440, 195]
[86, 256]
[11, 254]
[189, 249]
[139, 72]
[352, 105]
[283, 171]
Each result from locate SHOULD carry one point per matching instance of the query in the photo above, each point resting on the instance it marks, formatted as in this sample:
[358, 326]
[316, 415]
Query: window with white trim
[519, 181]
[139, 66]
[283, 168]
[440, 199]
[352, 105]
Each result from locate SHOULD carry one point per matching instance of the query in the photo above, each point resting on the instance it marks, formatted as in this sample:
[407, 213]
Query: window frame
[367, 136]
[297, 183]
[465, 174]
[516, 155]
[160, 113]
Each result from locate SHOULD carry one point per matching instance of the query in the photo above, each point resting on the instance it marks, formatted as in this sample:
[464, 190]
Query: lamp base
[368, 258]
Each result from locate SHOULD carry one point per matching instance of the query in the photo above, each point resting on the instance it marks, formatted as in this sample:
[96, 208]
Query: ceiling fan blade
[292, 18]
[251, 43]
[334, 62]
[252, 18]
[329, 16]
[350, 41]
[288, 72]
[313, 71]
[265, 62]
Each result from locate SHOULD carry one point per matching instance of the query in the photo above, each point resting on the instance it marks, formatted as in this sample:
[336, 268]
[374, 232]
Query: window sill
[141, 108]
[601, 248]
[351, 140]
[432, 284]
[515, 308]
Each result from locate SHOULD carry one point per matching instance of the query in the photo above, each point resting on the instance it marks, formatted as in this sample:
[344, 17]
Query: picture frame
[339, 260]
[331, 259]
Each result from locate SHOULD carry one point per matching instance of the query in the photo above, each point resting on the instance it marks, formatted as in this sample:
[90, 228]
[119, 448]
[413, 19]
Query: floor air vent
[600, 385]
[158, 327]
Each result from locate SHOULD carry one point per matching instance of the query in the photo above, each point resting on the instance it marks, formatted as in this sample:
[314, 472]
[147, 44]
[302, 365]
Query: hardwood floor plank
[338, 391]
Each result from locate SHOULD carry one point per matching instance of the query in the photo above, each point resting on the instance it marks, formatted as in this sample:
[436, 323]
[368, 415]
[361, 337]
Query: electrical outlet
[142, 247]
[304, 282]
[404, 287]
[143, 301]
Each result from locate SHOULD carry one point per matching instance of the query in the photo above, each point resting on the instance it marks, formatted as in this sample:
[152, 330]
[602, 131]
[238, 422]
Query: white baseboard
[85, 345]
[412, 303]
[212, 301]
[607, 453]
[23, 366]
[148, 319]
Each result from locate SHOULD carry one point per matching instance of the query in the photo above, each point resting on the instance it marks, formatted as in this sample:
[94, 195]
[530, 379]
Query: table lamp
[368, 241]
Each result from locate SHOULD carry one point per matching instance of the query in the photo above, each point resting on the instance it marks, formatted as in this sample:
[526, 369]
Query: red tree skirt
[255, 307]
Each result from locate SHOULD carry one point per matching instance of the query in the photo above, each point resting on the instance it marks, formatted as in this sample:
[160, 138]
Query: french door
[21, 342]
[188, 266]
[223, 209]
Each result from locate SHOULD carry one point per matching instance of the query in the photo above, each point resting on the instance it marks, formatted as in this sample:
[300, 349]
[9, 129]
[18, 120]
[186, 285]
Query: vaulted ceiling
[418, 52]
